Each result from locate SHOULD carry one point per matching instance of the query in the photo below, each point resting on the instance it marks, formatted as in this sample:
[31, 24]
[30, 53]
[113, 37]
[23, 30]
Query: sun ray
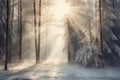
[61, 9]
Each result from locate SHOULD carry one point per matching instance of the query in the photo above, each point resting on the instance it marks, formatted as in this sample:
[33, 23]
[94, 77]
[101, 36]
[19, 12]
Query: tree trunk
[100, 19]
[39, 29]
[35, 31]
[71, 52]
[20, 28]
[7, 25]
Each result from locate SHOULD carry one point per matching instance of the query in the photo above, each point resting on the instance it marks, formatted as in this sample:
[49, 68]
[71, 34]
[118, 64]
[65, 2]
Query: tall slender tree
[20, 28]
[39, 29]
[89, 23]
[18, 22]
[35, 31]
[20, 32]
[7, 25]
[100, 22]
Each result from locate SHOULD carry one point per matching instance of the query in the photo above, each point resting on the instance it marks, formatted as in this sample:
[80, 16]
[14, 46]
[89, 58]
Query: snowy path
[59, 72]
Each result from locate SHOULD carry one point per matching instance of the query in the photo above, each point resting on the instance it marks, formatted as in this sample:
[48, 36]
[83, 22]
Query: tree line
[108, 39]
[9, 12]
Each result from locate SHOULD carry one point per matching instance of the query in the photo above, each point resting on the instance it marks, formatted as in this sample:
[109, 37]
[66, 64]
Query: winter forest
[59, 39]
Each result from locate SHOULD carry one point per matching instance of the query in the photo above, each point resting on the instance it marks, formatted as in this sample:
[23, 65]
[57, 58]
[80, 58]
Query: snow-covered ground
[29, 71]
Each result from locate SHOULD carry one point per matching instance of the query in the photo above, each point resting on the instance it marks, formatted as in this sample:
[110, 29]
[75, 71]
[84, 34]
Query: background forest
[90, 32]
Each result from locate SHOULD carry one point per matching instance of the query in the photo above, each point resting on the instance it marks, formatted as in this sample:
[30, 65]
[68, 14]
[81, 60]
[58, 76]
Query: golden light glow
[62, 8]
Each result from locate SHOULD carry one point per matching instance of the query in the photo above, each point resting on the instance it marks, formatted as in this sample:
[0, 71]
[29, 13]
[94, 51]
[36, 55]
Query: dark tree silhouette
[20, 28]
[100, 22]
[7, 25]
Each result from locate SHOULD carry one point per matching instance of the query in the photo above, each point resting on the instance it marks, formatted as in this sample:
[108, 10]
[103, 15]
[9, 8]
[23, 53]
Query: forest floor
[29, 71]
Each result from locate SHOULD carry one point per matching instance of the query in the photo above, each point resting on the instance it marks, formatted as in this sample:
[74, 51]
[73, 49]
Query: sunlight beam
[62, 8]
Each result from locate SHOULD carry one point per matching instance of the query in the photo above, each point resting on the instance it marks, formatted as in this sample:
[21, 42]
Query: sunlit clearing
[62, 8]
[21, 66]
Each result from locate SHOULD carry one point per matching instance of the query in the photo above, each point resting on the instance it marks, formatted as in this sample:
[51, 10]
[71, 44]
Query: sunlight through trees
[84, 32]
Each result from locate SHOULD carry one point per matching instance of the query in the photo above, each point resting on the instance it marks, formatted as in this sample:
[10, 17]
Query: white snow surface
[30, 71]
